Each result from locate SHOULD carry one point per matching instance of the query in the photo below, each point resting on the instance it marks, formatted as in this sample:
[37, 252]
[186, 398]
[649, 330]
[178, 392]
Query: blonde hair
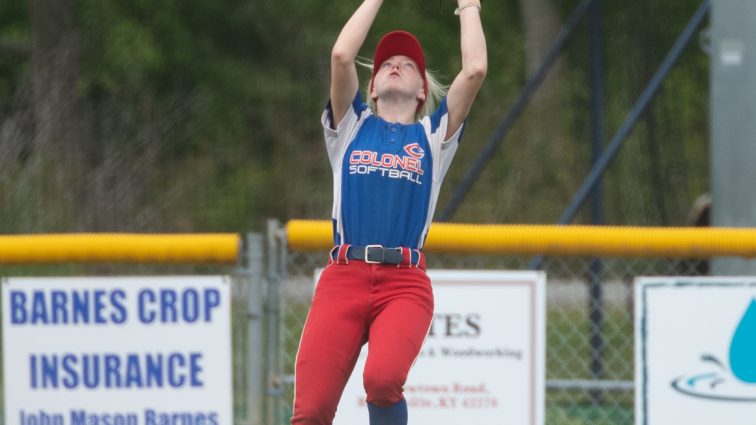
[436, 90]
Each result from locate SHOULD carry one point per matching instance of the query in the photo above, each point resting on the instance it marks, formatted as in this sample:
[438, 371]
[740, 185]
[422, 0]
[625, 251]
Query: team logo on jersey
[414, 150]
[390, 165]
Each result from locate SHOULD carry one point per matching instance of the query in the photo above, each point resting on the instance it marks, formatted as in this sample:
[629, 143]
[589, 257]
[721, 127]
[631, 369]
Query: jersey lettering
[387, 160]
[385, 172]
[388, 165]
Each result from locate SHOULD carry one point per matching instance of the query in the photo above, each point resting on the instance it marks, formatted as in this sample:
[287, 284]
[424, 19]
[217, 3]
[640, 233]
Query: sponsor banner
[695, 351]
[117, 350]
[483, 359]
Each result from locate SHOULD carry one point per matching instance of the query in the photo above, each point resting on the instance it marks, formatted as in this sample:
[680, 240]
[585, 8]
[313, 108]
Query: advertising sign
[695, 351]
[483, 359]
[125, 350]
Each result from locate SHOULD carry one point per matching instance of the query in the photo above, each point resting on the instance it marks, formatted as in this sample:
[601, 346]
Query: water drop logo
[735, 383]
[743, 347]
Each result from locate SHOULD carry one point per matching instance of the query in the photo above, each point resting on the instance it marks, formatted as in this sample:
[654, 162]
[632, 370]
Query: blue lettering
[133, 374]
[99, 305]
[213, 418]
[33, 371]
[90, 366]
[133, 370]
[146, 297]
[212, 300]
[150, 417]
[69, 364]
[154, 365]
[168, 305]
[175, 361]
[116, 299]
[49, 371]
[41, 418]
[112, 366]
[39, 311]
[195, 369]
[80, 307]
[190, 305]
[78, 417]
[62, 307]
[18, 307]
[131, 419]
[59, 311]
[82, 417]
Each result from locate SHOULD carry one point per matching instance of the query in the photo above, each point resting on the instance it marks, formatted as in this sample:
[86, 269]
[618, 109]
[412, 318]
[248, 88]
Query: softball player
[389, 157]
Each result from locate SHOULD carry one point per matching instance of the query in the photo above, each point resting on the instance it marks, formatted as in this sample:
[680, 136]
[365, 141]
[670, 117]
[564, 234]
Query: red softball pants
[389, 307]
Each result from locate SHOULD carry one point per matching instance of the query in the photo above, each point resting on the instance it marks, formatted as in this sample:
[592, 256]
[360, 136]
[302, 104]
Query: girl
[389, 157]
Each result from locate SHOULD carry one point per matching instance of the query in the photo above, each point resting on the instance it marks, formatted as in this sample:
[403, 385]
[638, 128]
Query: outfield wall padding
[119, 248]
[571, 240]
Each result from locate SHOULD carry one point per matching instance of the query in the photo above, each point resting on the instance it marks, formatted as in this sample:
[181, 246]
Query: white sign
[695, 351]
[141, 350]
[483, 360]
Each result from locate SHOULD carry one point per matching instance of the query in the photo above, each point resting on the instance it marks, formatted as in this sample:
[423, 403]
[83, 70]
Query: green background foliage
[204, 115]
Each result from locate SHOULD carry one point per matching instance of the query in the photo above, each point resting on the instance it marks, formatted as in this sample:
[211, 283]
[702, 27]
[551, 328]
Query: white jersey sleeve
[338, 136]
[442, 152]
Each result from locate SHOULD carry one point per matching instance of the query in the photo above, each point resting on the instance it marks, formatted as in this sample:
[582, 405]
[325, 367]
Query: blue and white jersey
[386, 176]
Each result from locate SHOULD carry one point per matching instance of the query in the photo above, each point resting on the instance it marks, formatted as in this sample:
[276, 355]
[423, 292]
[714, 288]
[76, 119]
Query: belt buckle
[367, 251]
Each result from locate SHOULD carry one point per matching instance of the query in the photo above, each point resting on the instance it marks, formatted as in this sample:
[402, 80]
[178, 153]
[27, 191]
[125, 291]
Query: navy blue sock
[396, 414]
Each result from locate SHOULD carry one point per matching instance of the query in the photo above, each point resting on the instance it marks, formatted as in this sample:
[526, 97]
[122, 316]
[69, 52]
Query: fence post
[283, 276]
[251, 270]
[274, 390]
[596, 265]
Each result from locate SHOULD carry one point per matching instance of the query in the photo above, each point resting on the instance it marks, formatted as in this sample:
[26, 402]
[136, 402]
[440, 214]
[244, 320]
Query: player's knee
[383, 390]
[311, 416]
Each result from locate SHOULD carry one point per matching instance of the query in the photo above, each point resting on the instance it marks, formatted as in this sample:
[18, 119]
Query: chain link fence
[589, 335]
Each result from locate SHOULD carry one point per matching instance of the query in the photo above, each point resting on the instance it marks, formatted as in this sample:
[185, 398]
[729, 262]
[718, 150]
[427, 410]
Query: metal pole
[596, 266]
[597, 110]
[733, 129]
[273, 308]
[589, 385]
[256, 386]
[280, 235]
[253, 270]
[596, 321]
[506, 124]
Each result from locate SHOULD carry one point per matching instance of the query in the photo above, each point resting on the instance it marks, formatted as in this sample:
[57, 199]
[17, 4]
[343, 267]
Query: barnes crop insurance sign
[695, 351]
[147, 351]
[483, 360]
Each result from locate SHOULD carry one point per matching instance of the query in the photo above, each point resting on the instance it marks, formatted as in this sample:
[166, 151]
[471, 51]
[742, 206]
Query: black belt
[377, 254]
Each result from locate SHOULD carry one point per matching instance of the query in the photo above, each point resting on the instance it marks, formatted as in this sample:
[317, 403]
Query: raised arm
[466, 85]
[344, 82]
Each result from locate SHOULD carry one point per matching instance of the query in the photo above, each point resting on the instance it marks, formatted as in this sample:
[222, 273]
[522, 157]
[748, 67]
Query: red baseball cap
[399, 43]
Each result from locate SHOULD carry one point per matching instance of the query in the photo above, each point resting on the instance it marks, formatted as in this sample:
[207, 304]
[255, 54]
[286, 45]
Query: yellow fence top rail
[119, 248]
[573, 240]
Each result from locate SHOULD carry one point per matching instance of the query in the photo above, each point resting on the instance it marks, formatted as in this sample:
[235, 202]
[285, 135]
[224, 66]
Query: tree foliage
[204, 115]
